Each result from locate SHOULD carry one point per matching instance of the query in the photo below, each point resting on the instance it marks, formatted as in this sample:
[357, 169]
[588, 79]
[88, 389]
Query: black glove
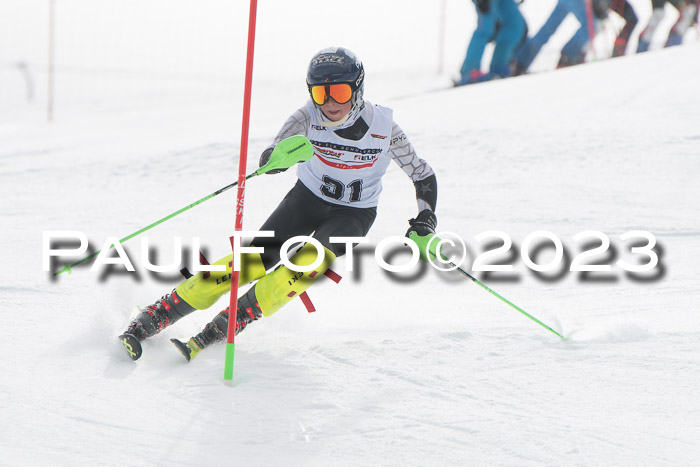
[424, 223]
[483, 5]
[265, 158]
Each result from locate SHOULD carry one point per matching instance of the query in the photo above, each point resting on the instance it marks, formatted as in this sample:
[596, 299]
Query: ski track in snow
[386, 372]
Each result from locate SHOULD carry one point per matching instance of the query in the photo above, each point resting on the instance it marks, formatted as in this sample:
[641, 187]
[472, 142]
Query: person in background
[573, 53]
[499, 21]
[687, 10]
[688, 15]
[625, 10]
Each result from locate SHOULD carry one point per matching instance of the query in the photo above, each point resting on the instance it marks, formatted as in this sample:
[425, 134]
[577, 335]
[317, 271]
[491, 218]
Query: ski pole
[497, 295]
[67, 268]
[424, 243]
[286, 153]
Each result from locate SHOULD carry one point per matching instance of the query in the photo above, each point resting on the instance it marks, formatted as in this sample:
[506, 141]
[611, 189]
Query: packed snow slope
[409, 369]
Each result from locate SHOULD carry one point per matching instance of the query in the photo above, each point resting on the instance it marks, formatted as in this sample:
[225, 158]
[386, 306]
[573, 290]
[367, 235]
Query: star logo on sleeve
[424, 188]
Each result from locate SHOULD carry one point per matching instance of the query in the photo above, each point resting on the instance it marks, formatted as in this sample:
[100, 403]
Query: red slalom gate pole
[591, 28]
[230, 343]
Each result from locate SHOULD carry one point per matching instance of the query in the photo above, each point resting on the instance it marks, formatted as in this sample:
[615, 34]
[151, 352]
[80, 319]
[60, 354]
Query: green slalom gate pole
[287, 153]
[426, 241]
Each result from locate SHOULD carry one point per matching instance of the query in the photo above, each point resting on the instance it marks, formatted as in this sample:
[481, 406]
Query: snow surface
[389, 371]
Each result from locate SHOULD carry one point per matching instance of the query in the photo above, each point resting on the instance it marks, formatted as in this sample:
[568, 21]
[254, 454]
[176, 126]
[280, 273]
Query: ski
[132, 345]
[183, 348]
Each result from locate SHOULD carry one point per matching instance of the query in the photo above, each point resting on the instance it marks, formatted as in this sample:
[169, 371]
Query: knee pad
[282, 285]
[203, 289]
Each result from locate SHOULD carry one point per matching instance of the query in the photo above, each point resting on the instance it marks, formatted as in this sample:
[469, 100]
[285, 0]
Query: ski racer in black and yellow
[336, 195]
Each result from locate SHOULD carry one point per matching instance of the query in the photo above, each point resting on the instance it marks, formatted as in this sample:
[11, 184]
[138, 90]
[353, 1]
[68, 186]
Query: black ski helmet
[336, 65]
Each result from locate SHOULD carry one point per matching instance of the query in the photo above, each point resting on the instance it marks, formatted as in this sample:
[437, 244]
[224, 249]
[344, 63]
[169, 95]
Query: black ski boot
[152, 320]
[215, 331]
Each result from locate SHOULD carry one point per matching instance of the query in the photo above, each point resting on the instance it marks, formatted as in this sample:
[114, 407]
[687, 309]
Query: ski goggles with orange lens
[341, 93]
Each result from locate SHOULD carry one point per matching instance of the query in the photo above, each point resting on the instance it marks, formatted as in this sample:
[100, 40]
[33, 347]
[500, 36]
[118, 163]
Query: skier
[687, 10]
[573, 52]
[499, 21]
[336, 195]
[626, 12]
